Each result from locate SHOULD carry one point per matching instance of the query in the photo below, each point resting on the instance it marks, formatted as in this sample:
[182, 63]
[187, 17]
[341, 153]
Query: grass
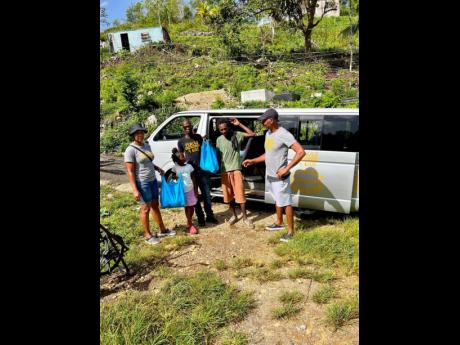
[330, 246]
[291, 297]
[338, 314]
[124, 220]
[275, 264]
[187, 310]
[240, 263]
[220, 265]
[233, 338]
[306, 273]
[289, 308]
[285, 311]
[324, 294]
[262, 275]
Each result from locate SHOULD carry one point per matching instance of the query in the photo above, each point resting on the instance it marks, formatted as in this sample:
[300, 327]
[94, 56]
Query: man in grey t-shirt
[277, 143]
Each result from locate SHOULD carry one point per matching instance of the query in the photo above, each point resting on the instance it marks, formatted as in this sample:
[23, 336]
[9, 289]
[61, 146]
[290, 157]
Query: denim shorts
[148, 190]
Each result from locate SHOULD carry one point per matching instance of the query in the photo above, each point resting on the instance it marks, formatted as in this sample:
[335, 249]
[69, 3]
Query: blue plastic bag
[208, 158]
[172, 193]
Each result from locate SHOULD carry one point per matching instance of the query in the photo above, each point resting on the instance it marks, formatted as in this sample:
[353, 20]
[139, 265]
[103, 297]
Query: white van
[326, 179]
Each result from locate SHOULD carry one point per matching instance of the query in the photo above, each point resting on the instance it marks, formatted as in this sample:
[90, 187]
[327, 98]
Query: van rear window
[340, 134]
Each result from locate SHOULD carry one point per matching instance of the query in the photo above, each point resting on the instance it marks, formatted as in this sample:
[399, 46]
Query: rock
[151, 120]
[317, 94]
[301, 328]
[124, 187]
[203, 100]
[103, 182]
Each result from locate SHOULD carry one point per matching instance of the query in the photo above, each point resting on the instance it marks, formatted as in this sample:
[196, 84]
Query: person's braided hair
[175, 155]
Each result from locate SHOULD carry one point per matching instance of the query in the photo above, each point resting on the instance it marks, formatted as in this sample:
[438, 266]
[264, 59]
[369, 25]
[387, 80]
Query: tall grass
[333, 246]
[187, 310]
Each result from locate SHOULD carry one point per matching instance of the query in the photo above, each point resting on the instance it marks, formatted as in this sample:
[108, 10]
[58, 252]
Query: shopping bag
[208, 158]
[172, 193]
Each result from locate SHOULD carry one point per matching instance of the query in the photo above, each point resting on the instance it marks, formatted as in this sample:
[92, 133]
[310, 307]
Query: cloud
[104, 3]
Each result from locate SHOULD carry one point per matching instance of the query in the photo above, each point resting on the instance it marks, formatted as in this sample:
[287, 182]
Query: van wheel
[304, 213]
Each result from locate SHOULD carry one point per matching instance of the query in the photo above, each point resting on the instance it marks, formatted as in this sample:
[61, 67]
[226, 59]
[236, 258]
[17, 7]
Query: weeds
[290, 301]
[233, 338]
[240, 263]
[324, 294]
[220, 265]
[188, 310]
[333, 246]
[291, 297]
[338, 314]
[321, 277]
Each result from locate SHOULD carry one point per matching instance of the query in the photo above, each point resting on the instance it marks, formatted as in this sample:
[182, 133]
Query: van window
[290, 123]
[340, 134]
[173, 130]
[310, 134]
[214, 133]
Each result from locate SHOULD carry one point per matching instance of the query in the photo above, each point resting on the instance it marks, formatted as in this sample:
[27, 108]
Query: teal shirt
[230, 157]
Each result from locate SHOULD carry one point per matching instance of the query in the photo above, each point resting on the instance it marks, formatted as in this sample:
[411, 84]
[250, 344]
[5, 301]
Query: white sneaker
[167, 233]
[153, 240]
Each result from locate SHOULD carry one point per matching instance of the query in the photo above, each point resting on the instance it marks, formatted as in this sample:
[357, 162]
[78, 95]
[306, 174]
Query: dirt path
[227, 243]
[112, 169]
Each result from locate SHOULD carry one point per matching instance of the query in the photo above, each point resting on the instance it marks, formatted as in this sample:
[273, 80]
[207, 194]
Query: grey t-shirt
[276, 150]
[145, 170]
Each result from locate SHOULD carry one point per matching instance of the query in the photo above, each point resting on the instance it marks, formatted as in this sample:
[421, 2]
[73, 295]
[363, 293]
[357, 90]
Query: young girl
[190, 186]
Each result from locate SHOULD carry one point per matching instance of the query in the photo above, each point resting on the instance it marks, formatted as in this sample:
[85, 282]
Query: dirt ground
[227, 243]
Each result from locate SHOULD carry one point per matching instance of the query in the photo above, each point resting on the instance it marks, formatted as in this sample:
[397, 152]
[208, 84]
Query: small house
[134, 39]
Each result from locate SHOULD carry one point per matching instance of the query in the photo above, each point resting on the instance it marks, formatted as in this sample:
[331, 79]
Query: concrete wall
[135, 38]
[320, 9]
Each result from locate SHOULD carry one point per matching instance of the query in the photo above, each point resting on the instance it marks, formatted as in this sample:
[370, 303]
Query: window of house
[145, 37]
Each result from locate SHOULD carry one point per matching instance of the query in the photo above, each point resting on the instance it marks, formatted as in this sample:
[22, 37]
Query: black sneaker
[286, 238]
[274, 227]
[212, 220]
[201, 222]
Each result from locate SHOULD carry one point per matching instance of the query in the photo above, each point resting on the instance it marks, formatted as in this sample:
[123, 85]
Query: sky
[116, 9]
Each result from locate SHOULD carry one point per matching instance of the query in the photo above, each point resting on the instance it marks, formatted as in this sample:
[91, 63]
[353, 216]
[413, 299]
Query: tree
[299, 14]
[103, 16]
[135, 13]
[162, 12]
[227, 21]
[187, 12]
[353, 9]
[205, 11]
[116, 23]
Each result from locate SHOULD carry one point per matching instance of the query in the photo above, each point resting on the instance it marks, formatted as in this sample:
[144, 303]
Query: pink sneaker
[193, 230]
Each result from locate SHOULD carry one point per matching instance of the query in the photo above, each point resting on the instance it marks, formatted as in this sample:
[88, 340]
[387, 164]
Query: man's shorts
[190, 198]
[281, 191]
[233, 186]
[148, 190]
